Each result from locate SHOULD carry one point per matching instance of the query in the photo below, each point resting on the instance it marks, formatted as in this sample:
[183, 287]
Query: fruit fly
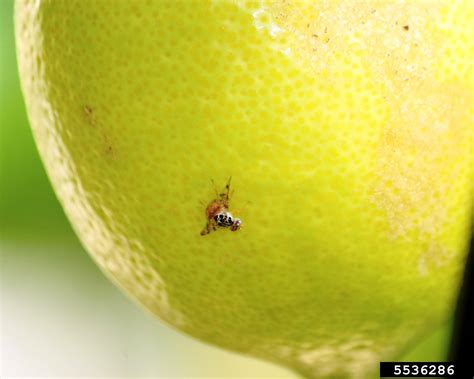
[218, 214]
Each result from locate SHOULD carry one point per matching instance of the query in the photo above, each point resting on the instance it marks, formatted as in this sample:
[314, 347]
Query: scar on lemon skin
[89, 113]
[109, 151]
[218, 214]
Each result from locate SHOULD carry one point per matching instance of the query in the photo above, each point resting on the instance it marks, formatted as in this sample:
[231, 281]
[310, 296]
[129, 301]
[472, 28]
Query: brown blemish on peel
[109, 150]
[87, 110]
[90, 116]
[89, 113]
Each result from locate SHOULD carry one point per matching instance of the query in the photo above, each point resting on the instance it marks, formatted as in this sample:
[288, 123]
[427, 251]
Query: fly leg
[210, 226]
[225, 196]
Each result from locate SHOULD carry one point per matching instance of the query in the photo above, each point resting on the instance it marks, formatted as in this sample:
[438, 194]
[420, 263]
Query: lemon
[346, 128]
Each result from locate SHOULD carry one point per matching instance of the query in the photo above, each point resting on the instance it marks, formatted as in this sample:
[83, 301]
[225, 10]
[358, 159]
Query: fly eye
[216, 217]
[236, 225]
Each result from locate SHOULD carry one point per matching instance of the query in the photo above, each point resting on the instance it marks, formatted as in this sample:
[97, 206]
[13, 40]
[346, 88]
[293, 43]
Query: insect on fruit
[218, 214]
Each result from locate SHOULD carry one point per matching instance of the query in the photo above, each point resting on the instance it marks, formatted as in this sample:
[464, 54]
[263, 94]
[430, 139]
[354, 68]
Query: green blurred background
[59, 315]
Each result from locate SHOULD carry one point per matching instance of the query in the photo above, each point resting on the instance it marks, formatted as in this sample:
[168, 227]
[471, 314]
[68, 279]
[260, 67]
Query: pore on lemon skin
[347, 130]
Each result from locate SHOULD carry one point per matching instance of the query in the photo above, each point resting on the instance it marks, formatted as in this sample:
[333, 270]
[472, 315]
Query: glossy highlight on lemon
[347, 128]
